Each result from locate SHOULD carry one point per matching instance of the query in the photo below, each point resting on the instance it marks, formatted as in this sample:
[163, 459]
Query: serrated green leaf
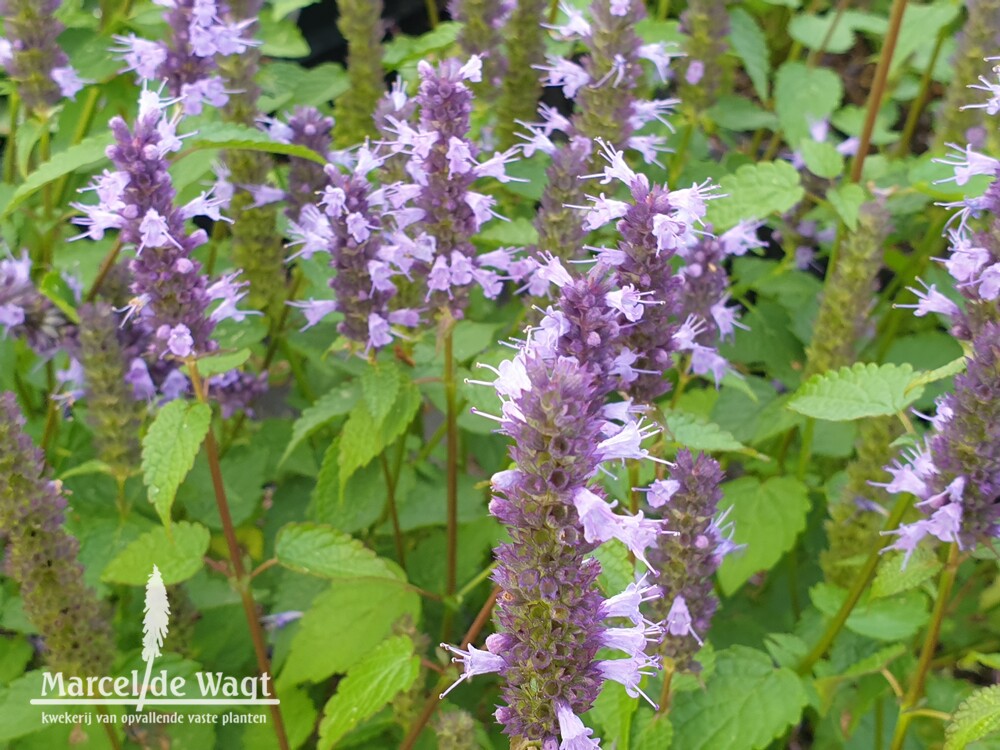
[847, 201]
[892, 577]
[767, 517]
[402, 48]
[747, 703]
[280, 38]
[18, 718]
[379, 386]
[617, 571]
[697, 434]
[754, 192]
[651, 731]
[750, 44]
[85, 153]
[740, 114]
[343, 624]
[612, 714]
[169, 450]
[804, 95]
[835, 29]
[954, 367]
[321, 550]
[216, 364]
[178, 553]
[890, 619]
[864, 390]
[362, 439]
[232, 136]
[822, 158]
[334, 403]
[978, 717]
[385, 672]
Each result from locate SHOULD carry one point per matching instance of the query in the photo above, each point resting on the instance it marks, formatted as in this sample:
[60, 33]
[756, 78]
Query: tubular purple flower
[32, 56]
[187, 61]
[172, 296]
[26, 313]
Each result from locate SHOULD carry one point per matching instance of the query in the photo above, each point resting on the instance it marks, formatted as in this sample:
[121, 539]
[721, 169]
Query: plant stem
[865, 576]
[452, 470]
[432, 702]
[917, 107]
[916, 691]
[878, 86]
[662, 10]
[106, 265]
[241, 580]
[110, 730]
[432, 13]
[82, 127]
[10, 147]
[668, 676]
[390, 488]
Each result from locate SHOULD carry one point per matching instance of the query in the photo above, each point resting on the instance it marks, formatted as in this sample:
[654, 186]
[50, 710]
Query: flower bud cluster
[187, 61]
[42, 558]
[32, 56]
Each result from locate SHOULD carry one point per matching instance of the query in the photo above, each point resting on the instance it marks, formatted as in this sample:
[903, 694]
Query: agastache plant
[563, 432]
[955, 473]
[360, 21]
[172, 296]
[187, 60]
[43, 559]
[521, 85]
[483, 23]
[31, 55]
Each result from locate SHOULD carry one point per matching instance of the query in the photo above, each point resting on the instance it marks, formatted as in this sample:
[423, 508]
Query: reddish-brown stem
[240, 578]
[431, 704]
[878, 86]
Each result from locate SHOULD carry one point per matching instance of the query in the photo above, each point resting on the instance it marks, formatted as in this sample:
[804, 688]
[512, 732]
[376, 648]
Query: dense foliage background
[302, 452]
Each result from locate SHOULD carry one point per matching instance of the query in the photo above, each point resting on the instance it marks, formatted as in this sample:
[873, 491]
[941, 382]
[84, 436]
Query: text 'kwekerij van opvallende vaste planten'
[476, 375]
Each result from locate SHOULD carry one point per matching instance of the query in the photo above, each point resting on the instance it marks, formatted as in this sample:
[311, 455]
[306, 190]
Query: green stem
[878, 86]
[923, 96]
[677, 163]
[480, 577]
[865, 576]
[79, 133]
[916, 691]
[451, 437]
[10, 148]
[806, 450]
[662, 10]
[241, 580]
[432, 13]
[390, 488]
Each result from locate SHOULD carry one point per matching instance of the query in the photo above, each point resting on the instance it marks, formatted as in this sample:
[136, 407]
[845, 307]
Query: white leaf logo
[154, 626]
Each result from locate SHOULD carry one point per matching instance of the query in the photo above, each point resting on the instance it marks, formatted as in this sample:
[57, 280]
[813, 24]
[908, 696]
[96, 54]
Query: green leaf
[334, 403]
[282, 8]
[740, 114]
[864, 390]
[178, 553]
[233, 136]
[90, 151]
[847, 201]
[169, 450]
[978, 717]
[836, 29]
[803, 95]
[889, 619]
[754, 192]
[321, 550]
[18, 718]
[697, 434]
[768, 517]
[892, 577]
[216, 364]
[402, 48]
[345, 623]
[58, 291]
[385, 672]
[920, 23]
[362, 501]
[651, 732]
[281, 38]
[379, 386]
[362, 438]
[822, 158]
[746, 704]
[93, 466]
[617, 571]
[750, 44]
[612, 713]
[921, 379]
